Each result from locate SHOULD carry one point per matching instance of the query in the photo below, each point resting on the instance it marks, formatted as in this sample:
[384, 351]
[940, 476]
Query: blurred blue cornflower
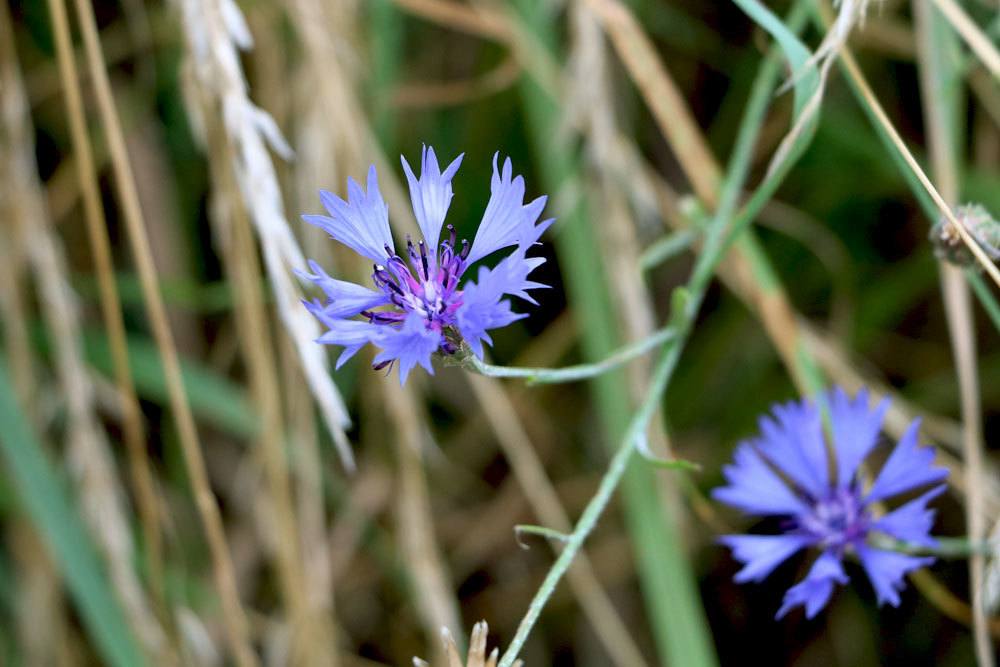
[785, 473]
[418, 307]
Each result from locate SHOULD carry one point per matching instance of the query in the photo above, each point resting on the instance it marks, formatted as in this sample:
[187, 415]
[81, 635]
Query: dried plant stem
[12, 312]
[208, 510]
[530, 473]
[663, 97]
[17, 339]
[869, 96]
[307, 466]
[959, 313]
[212, 32]
[435, 602]
[41, 627]
[244, 268]
[87, 449]
[949, 604]
[426, 95]
[473, 20]
[938, 108]
[972, 34]
[100, 247]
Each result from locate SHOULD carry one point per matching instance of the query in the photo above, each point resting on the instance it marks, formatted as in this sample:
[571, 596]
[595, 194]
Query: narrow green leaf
[214, 399]
[51, 511]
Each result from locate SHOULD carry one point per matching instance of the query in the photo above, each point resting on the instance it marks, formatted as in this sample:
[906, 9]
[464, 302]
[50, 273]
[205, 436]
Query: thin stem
[238, 630]
[941, 101]
[972, 34]
[666, 248]
[946, 547]
[538, 375]
[111, 308]
[619, 464]
[610, 629]
[522, 529]
[985, 296]
[883, 120]
[686, 303]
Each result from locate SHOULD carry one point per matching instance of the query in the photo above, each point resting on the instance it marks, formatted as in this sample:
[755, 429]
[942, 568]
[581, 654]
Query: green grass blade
[51, 511]
[666, 577]
[214, 399]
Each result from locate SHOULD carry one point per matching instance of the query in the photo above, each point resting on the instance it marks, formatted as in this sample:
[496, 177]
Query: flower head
[825, 505]
[419, 304]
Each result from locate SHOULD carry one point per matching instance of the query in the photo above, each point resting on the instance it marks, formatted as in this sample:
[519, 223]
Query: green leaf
[52, 512]
[214, 399]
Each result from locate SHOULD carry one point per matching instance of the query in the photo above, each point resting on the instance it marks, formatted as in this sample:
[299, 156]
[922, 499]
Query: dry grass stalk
[473, 20]
[591, 90]
[215, 31]
[436, 605]
[530, 473]
[973, 35]
[233, 231]
[41, 628]
[16, 340]
[13, 261]
[335, 120]
[100, 246]
[662, 96]
[233, 615]
[961, 327]
[307, 467]
[453, 93]
[854, 72]
[86, 445]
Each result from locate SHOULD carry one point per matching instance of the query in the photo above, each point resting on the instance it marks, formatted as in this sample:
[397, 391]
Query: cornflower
[420, 306]
[785, 473]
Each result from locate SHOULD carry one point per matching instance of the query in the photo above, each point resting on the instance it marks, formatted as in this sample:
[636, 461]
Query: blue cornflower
[785, 473]
[418, 306]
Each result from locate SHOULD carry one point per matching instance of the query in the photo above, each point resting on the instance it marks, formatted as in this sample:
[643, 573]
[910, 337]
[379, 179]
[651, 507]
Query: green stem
[666, 248]
[947, 547]
[985, 296]
[722, 231]
[597, 504]
[539, 375]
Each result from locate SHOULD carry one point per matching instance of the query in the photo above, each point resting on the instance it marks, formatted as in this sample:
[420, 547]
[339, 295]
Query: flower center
[427, 285]
[837, 520]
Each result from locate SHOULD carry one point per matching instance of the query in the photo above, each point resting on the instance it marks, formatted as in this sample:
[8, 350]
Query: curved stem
[536, 375]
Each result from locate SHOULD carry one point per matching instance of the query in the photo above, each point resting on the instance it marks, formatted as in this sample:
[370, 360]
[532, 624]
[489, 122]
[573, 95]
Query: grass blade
[48, 503]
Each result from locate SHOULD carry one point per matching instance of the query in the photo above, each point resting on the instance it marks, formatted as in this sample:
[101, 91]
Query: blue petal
[760, 554]
[346, 299]
[361, 223]
[886, 570]
[908, 467]
[855, 431]
[431, 193]
[506, 220]
[351, 334]
[511, 275]
[793, 441]
[912, 522]
[755, 488]
[530, 232]
[814, 591]
[411, 344]
[483, 309]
